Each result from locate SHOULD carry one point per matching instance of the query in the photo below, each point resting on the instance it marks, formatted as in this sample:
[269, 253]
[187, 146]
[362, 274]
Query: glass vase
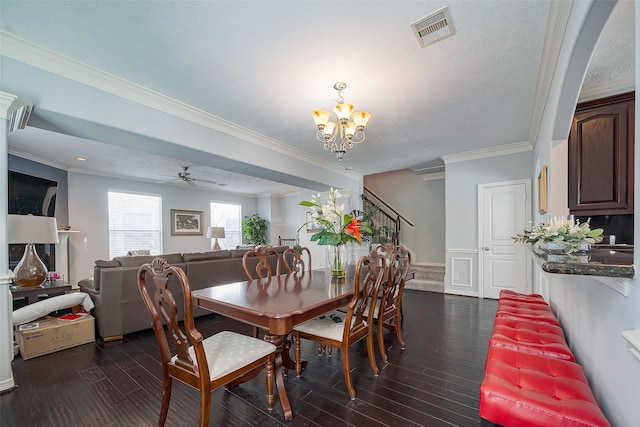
[337, 260]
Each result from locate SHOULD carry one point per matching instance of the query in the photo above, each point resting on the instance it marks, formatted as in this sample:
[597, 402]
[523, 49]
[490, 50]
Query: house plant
[254, 229]
[338, 228]
[564, 236]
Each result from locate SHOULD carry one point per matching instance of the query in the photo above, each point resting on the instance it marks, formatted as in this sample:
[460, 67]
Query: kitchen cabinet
[601, 147]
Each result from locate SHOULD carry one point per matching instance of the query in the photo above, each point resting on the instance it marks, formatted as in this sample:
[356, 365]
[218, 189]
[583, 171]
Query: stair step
[425, 285]
[428, 272]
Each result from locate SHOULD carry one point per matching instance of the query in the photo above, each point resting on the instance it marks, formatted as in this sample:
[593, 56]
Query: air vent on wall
[434, 27]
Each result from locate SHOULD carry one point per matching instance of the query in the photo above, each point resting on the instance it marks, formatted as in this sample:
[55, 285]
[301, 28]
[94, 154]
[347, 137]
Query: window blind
[135, 223]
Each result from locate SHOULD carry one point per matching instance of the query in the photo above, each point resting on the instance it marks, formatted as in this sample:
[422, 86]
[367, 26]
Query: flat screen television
[32, 195]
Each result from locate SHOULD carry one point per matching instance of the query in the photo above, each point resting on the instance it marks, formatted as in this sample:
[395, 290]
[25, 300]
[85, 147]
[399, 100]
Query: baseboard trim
[7, 385]
[461, 293]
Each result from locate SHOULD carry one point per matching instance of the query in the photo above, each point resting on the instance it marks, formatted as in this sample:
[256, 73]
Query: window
[229, 216]
[135, 223]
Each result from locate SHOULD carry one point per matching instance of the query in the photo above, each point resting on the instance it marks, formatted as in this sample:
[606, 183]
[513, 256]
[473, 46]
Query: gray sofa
[119, 308]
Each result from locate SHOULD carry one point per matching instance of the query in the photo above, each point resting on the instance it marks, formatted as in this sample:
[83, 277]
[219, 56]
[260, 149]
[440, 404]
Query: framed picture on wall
[186, 223]
[542, 191]
[312, 226]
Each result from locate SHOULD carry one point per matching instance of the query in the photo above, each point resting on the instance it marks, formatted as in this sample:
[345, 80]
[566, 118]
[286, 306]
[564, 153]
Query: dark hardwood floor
[435, 381]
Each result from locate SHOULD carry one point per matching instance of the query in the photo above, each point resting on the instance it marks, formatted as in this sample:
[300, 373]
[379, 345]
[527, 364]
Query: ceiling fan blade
[190, 182]
[169, 180]
[205, 181]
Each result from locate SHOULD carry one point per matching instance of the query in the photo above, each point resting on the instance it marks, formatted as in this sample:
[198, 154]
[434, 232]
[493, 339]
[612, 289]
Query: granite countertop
[596, 262]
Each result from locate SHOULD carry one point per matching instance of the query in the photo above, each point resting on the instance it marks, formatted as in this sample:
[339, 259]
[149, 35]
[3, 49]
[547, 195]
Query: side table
[48, 289]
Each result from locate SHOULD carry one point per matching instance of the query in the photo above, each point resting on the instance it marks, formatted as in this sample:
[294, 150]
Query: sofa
[119, 309]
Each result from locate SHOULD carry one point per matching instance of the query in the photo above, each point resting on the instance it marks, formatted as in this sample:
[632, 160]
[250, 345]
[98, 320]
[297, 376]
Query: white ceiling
[264, 66]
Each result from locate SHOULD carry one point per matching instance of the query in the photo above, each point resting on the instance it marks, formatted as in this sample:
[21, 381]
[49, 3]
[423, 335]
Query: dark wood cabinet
[601, 147]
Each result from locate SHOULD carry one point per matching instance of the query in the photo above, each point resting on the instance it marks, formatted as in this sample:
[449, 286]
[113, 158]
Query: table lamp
[217, 233]
[30, 229]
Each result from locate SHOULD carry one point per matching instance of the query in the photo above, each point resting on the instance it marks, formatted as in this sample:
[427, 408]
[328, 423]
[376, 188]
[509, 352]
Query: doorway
[504, 210]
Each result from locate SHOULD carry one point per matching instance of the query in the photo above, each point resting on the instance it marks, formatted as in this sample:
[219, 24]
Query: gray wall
[592, 314]
[423, 202]
[88, 213]
[461, 194]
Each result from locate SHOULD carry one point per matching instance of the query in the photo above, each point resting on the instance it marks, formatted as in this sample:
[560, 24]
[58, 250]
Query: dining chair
[294, 262]
[262, 267]
[341, 330]
[388, 311]
[259, 260]
[202, 363]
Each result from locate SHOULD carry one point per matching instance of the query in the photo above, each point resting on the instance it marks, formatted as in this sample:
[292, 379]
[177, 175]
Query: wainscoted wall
[461, 191]
[462, 268]
[593, 316]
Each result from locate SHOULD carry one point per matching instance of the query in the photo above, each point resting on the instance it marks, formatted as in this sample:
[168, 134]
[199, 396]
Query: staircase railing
[386, 221]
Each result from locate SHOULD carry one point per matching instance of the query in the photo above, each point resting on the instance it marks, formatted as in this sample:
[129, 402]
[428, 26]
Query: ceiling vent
[434, 27]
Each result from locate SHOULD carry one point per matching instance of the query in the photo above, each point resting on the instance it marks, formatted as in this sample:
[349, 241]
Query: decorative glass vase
[560, 247]
[337, 260]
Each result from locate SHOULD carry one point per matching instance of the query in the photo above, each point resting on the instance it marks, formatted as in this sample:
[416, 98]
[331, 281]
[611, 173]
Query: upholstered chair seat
[228, 351]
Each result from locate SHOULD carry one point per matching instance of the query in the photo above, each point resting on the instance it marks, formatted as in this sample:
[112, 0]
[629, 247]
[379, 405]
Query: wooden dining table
[278, 304]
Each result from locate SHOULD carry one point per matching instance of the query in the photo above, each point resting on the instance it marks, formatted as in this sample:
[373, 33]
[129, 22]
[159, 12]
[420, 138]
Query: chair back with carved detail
[162, 306]
[386, 251]
[370, 271]
[294, 262]
[204, 364]
[257, 263]
[389, 307]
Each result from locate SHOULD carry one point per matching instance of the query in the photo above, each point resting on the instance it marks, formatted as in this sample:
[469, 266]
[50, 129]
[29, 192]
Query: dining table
[277, 304]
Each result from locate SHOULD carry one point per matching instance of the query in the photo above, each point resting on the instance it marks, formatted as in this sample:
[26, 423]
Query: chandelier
[339, 136]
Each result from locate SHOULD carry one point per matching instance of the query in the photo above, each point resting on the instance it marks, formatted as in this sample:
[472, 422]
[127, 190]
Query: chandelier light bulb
[321, 118]
[343, 111]
[328, 130]
[360, 119]
[350, 129]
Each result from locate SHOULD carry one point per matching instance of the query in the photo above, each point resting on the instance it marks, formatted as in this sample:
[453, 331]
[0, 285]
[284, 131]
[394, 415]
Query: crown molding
[628, 84]
[559, 12]
[6, 101]
[432, 176]
[500, 150]
[23, 51]
[37, 159]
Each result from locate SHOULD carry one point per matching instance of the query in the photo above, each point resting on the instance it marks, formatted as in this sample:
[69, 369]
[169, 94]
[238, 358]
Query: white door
[504, 211]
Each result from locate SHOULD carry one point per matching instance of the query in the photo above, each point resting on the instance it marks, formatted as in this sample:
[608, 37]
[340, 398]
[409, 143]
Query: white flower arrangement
[568, 233]
[338, 227]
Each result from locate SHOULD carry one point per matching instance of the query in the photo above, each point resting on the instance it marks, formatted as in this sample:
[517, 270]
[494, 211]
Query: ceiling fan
[185, 176]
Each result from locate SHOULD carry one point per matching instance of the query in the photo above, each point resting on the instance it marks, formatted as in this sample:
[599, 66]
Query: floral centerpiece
[338, 228]
[568, 235]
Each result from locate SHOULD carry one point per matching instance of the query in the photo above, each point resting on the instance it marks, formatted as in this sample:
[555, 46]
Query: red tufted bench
[526, 310]
[507, 295]
[531, 337]
[522, 389]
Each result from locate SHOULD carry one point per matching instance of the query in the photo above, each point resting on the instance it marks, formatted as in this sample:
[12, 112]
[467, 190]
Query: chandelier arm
[358, 137]
[320, 136]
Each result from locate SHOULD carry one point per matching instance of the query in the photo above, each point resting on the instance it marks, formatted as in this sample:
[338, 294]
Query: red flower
[354, 229]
